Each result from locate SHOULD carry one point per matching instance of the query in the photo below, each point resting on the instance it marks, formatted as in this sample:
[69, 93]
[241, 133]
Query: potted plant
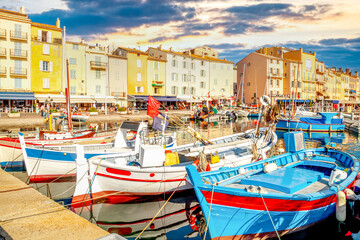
[122, 110]
[13, 114]
[93, 111]
[55, 112]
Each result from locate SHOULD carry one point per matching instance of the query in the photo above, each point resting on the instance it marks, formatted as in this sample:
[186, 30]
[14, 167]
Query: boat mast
[67, 94]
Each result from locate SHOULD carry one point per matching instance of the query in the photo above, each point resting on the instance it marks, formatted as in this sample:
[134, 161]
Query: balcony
[16, 53]
[320, 71]
[2, 71]
[2, 33]
[320, 80]
[20, 36]
[119, 94]
[98, 65]
[22, 72]
[2, 52]
[308, 80]
[276, 75]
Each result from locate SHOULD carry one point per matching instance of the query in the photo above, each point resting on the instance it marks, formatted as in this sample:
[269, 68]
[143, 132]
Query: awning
[17, 96]
[336, 101]
[59, 98]
[353, 91]
[297, 100]
[160, 98]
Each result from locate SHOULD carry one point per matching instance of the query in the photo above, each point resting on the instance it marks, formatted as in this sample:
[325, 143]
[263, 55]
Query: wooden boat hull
[236, 213]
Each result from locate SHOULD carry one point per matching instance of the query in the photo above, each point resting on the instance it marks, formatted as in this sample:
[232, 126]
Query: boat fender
[196, 163]
[356, 187]
[350, 195]
[270, 167]
[340, 206]
[192, 222]
[263, 155]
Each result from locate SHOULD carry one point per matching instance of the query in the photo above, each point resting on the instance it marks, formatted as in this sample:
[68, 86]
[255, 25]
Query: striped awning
[17, 96]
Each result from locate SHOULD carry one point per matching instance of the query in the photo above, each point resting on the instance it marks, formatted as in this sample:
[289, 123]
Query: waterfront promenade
[27, 214]
[31, 120]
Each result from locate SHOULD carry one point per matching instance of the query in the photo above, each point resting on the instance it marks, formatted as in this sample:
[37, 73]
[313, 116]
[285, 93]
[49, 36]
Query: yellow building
[308, 61]
[15, 72]
[156, 76]
[46, 58]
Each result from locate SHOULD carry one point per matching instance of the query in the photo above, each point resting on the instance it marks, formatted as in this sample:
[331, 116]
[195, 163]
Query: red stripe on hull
[256, 203]
[48, 178]
[140, 180]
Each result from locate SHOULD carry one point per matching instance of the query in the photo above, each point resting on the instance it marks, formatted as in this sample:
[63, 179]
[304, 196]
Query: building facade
[46, 58]
[118, 82]
[75, 54]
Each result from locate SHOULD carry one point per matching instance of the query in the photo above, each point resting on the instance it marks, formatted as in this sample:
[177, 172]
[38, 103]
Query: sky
[233, 27]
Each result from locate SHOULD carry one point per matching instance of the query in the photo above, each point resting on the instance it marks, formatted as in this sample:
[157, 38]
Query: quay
[352, 122]
[31, 120]
[27, 214]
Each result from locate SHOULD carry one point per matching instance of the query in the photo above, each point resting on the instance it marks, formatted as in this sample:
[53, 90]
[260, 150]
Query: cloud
[85, 17]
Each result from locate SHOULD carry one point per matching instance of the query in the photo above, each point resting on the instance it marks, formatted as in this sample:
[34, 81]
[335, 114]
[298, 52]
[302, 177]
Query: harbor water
[175, 220]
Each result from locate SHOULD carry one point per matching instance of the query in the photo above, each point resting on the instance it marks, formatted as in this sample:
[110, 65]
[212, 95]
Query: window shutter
[49, 37]
[39, 35]
[46, 49]
[41, 65]
[50, 67]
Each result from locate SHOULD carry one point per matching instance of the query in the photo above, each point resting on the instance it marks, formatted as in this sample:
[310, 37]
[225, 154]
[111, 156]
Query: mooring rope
[211, 200]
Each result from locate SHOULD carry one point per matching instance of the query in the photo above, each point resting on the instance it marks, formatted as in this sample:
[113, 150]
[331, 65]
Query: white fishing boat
[156, 171]
[80, 117]
[44, 163]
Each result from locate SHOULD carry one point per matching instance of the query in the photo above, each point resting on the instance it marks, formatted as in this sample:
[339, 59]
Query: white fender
[340, 206]
[263, 156]
[350, 195]
[270, 167]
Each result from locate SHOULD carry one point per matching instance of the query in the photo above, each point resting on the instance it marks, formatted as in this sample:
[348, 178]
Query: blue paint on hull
[311, 127]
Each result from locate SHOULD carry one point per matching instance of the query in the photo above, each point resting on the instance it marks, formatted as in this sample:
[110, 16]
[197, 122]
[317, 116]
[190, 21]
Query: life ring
[265, 100]
[196, 163]
[192, 222]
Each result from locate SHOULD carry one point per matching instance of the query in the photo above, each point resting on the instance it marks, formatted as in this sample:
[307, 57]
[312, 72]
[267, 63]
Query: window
[308, 64]
[44, 36]
[44, 66]
[46, 49]
[277, 83]
[299, 84]
[214, 66]
[17, 49]
[156, 65]
[156, 90]
[248, 64]
[248, 84]
[17, 67]
[202, 63]
[226, 82]
[18, 30]
[138, 77]
[215, 81]
[98, 74]
[202, 84]
[202, 73]
[174, 63]
[174, 77]
[271, 82]
[75, 47]
[184, 64]
[98, 88]
[271, 70]
[46, 83]
[138, 63]
[184, 90]
[139, 89]
[193, 79]
[72, 61]
[278, 71]
[184, 77]
[72, 90]
[73, 74]
[173, 90]
[117, 75]
[270, 60]
[192, 90]
[156, 77]
[18, 83]
[192, 65]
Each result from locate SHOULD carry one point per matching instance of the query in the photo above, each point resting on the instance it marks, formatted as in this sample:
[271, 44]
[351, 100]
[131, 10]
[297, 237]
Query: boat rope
[211, 200]
[36, 164]
[15, 189]
[267, 210]
[159, 210]
[74, 185]
[63, 175]
[9, 162]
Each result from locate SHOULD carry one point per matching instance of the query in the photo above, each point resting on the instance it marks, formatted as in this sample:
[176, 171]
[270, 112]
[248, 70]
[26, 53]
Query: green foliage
[13, 111]
[92, 109]
[122, 109]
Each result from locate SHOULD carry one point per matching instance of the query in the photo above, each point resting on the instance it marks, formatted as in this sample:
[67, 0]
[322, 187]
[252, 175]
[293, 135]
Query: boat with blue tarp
[326, 123]
[278, 195]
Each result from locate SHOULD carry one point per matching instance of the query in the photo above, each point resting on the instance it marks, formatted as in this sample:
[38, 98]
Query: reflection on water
[172, 221]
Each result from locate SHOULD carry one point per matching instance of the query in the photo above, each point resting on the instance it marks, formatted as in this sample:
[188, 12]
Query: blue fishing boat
[327, 123]
[276, 196]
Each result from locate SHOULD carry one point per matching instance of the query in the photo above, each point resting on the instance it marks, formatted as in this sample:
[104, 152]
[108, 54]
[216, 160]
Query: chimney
[22, 10]
[159, 47]
[58, 23]
[171, 49]
[347, 71]
[356, 74]
[82, 40]
[340, 70]
[202, 54]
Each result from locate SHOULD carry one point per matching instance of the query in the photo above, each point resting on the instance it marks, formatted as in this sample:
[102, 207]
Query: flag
[153, 106]
[163, 115]
[209, 94]
[158, 124]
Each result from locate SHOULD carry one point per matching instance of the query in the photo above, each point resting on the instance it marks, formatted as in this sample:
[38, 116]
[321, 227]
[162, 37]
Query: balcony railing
[18, 35]
[2, 52]
[2, 70]
[2, 33]
[17, 53]
[18, 72]
[119, 94]
[98, 65]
